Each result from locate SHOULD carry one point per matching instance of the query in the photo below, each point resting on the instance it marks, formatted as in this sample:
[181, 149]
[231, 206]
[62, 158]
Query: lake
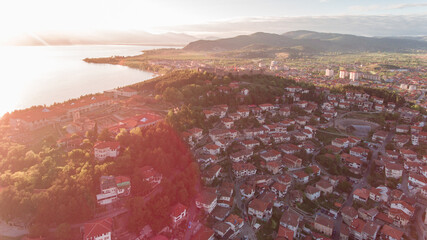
[38, 75]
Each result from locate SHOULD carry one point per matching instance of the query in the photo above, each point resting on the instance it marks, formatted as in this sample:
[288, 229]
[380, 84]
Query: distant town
[319, 152]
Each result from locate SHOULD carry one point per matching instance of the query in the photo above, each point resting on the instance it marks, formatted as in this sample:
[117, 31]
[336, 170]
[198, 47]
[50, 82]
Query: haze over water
[38, 75]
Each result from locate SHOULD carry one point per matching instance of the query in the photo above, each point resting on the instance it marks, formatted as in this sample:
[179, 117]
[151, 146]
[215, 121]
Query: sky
[203, 18]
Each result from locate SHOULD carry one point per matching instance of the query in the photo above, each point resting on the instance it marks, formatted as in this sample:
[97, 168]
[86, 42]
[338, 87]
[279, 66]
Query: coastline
[70, 79]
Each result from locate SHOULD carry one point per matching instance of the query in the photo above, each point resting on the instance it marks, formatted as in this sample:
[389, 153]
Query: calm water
[47, 74]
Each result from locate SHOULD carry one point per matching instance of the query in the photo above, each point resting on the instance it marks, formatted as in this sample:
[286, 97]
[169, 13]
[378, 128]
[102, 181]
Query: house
[226, 196]
[361, 194]
[150, 175]
[399, 217]
[109, 190]
[296, 196]
[222, 143]
[222, 229]
[412, 166]
[312, 193]
[291, 161]
[391, 233]
[228, 122]
[324, 225]
[260, 209]
[289, 148]
[285, 234]
[212, 173]
[234, 116]
[206, 159]
[243, 112]
[285, 179]
[360, 152]
[392, 154]
[266, 107]
[220, 213]
[396, 194]
[235, 222]
[299, 136]
[222, 134]
[408, 154]
[356, 228]
[417, 179]
[393, 170]
[247, 191]
[102, 150]
[178, 214]
[325, 186]
[370, 230]
[270, 155]
[196, 133]
[368, 215]
[349, 214]
[206, 200]
[251, 133]
[402, 128]
[290, 220]
[274, 166]
[279, 189]
[204, 233]
[244, 91]
[243, 169]
[212, 149]
[354, 163]
[99, 230]
[123, 185]
[340, 142]
[404, 206]
[285, 111]
[344, 232]
[281, 137]
[401, 140]
[379, 136]
[250, 143]
[241, 155]
[379, 194]
[113, 187]
[301, 176]
[315, 170]
[333, 149]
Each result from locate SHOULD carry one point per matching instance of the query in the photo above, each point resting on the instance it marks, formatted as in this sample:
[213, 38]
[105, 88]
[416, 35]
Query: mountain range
[309, 41]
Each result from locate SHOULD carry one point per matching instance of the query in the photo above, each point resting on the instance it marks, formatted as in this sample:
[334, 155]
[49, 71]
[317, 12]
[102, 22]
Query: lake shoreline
[74, 79]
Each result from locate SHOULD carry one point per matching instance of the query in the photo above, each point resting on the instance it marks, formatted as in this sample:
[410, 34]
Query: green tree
[63, 232]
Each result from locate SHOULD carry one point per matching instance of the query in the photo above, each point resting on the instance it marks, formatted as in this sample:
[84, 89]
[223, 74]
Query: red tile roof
[392, 232]
[178, 209]
[98, 228]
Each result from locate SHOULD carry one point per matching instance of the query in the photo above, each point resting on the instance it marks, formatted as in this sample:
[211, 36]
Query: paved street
[361, 183]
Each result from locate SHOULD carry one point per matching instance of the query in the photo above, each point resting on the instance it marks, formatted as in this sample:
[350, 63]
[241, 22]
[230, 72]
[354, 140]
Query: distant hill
[308, 41]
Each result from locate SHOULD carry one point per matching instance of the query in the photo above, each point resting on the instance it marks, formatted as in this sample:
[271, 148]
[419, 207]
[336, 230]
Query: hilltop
[308, 42]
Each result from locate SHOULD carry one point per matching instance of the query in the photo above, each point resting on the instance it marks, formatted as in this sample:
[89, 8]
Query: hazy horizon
[73, 20]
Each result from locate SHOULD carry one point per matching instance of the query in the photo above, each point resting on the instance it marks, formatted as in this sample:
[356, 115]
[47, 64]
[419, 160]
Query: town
[279, 157]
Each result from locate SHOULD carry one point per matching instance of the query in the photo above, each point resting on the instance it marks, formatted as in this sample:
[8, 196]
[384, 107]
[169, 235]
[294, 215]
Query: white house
[103, 150]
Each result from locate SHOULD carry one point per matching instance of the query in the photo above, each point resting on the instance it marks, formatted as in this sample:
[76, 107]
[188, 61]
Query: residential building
[102, 150]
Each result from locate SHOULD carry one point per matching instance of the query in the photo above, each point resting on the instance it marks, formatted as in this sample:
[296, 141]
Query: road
[419, 224]
[363, 182]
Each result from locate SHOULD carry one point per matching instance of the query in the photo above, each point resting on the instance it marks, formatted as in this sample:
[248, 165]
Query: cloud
[365, 8]
[407, 5]
[367, 25]
[375, 7]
